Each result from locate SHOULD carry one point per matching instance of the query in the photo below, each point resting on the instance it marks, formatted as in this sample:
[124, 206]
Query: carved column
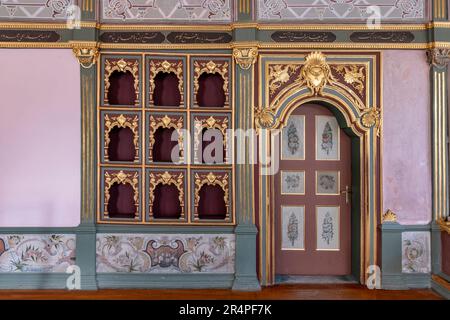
[245, 231]
[439, 11]
[438, 60]
[87, 54]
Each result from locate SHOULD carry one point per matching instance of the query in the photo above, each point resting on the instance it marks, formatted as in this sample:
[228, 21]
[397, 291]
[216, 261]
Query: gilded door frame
[362, 115]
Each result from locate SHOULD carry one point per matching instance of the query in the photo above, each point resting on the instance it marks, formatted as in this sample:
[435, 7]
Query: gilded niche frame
[349, 84]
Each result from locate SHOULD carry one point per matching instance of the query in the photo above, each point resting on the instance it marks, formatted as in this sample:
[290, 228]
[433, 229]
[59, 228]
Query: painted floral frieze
[170, 10]
[36, 253]
[156, 253]
[397, 10]
[416, 255]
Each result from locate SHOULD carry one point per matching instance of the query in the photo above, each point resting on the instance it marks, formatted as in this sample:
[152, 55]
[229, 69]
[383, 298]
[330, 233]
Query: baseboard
[441, 286]
[405, 281]
[164, 281]
[33, 280]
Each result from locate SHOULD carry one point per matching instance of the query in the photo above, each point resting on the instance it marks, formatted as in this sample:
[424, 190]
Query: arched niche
[121, 144]
[211, 93]
[121, 90]
[166, 90]
[121, 202]
[166, 203]
[211, 205]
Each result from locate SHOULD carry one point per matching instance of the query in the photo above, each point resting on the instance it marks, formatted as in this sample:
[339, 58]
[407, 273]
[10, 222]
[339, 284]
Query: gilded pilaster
[440, 10]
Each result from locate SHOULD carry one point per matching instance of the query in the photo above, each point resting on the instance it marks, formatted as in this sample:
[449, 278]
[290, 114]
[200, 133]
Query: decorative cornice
[245, 57]
[86, 52]
[389, 216]
[438, 57]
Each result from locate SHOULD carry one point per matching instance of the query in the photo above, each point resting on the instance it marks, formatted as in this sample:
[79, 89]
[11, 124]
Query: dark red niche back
[121, 202]
[121, 90]
[162, 149]
[205, 143]
[166, 91]
[121, 145]
[212, 203]
[166, 204]
[210, 92]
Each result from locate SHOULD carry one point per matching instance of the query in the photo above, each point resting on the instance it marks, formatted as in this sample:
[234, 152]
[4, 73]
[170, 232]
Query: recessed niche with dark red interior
[166, 92]
[206, 143]
[210, 92]
[162, 149]
[212, 203]
[121, 146]
[166, 204]
[121, 90]
[121, 201]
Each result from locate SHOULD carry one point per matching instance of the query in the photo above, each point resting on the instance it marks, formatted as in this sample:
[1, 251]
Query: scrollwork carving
[353, 75]
[157, 122]
[165, 66]
[121, 177]
[166, 178]
[220, 179]
[122, 121]
[121, 65]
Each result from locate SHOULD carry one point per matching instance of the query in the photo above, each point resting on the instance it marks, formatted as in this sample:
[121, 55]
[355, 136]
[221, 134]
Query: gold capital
[245, 57]
[86, 52]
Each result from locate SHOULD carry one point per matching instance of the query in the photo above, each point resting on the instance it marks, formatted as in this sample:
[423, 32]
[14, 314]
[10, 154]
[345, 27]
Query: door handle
[347, 193]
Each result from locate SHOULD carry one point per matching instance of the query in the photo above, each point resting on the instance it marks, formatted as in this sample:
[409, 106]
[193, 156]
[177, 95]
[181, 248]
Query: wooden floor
[280, 292]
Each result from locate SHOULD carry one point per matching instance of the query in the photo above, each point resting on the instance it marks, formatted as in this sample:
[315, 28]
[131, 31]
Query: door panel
[313, 212]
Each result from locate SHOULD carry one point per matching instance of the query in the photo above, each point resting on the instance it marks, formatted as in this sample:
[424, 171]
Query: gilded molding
[219, 179]
[245, 57]
[166, 178]
[176, 67]
[211, 67]
[210, 123]
[389, 216]
[87, 53]
[122, 121]
[438, 57]
[167, 122]
[121, 65]
[131, 178]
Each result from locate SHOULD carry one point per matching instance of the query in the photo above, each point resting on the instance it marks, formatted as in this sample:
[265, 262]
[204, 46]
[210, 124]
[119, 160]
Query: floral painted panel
[156, 253]
[37, 253]
[38, 9]
[169, 10]
[416, 257]
[328, 228]
[389, 10]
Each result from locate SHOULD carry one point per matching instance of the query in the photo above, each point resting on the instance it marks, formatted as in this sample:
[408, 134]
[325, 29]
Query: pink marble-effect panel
[407, 136]
[39, 138]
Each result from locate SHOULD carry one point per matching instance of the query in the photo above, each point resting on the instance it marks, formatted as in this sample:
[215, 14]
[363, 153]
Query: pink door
[312, 195]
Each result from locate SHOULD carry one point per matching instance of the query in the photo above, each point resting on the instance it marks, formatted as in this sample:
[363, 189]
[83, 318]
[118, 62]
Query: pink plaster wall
[407, 136]
[39, 138]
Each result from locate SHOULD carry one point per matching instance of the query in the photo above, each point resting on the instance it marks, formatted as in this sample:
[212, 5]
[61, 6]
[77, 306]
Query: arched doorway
[312, 195]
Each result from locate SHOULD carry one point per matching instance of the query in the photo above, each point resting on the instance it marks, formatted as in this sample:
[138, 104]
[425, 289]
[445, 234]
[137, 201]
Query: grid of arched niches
[164, 140]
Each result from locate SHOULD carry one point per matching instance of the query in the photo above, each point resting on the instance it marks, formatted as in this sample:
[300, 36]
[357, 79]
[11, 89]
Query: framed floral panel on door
[293, 139]
[327, 228]
[327, 138]
[327, 182]
[293, 228]
[293, 182]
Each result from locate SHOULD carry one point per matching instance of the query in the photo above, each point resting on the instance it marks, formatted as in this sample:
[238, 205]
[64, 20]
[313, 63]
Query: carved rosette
[165, 66]
[86, 54]
[389, 216]
[245, 57]
[122, 65]
[121, 177]
[218, 178]
[121, 121]
[159, 121]
[372, 118]
[219, 123]
[166, 178]
[211, 67]
[438, 57]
